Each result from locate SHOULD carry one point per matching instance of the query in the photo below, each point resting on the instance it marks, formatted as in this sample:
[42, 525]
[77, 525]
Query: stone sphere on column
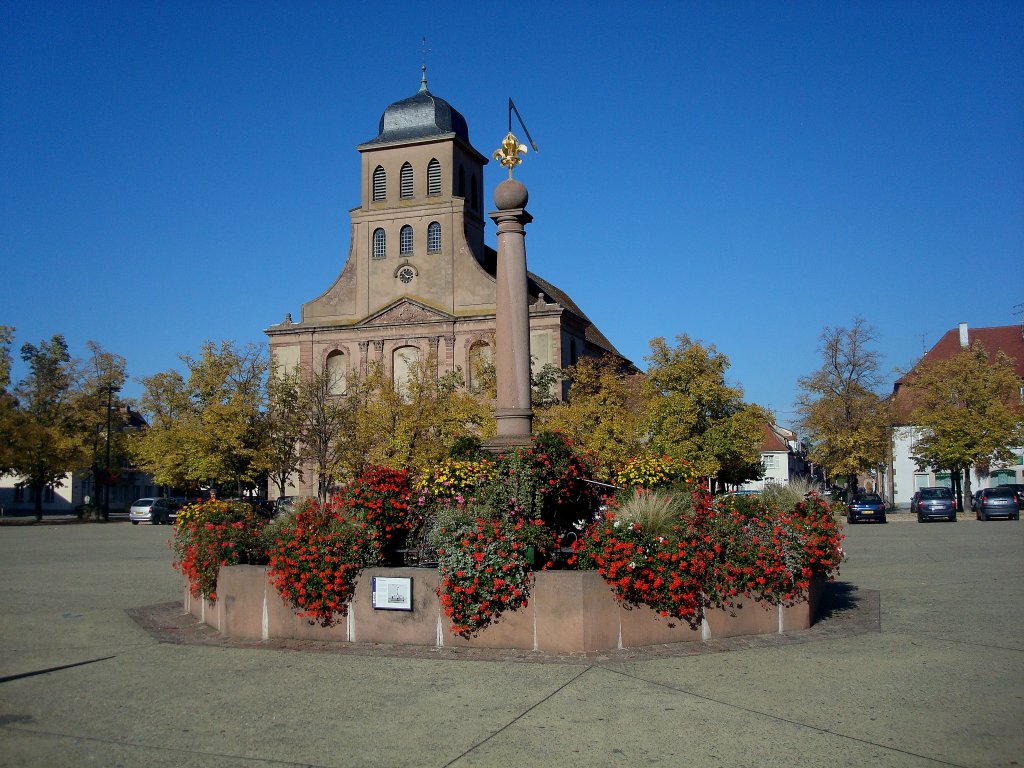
[510, 194]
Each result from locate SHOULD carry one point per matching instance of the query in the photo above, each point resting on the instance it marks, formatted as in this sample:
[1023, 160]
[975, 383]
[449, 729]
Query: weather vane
[509, 152]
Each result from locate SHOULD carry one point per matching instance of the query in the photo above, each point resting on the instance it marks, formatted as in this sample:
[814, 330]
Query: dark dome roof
[419, 117]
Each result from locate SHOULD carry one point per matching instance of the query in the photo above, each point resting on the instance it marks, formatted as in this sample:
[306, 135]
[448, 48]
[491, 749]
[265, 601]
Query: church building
[419, 282]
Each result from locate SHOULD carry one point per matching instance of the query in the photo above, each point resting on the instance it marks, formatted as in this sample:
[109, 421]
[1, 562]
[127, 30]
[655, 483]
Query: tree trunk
[851, 485]
[967, 488]
[38, 491]
[954, 477]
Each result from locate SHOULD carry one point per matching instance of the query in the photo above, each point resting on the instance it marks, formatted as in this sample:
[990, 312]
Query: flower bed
[494, 525]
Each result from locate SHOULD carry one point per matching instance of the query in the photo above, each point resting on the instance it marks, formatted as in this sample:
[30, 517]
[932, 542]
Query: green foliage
[207, 429]
[968, 410]
[694, 415]
[604, 415]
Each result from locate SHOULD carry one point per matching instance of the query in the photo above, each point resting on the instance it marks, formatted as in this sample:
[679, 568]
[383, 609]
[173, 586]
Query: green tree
[207, 429]
[605, 414]
[967, 410]
[417, 427]
[164, 449]
[695, 415]
[848, 425]
[47, 439]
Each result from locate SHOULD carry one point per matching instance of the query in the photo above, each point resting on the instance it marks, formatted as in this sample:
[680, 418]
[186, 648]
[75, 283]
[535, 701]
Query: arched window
[380, 244]
[403, 365]
[405, 240]
[433, 237]
[481, 366]
[380, 184]
[337, 373]
[474, 192]
[462, 182]
[405, 180]
[434, 177]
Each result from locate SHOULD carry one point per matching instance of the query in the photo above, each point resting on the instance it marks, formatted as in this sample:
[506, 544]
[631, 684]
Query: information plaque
[392, 594]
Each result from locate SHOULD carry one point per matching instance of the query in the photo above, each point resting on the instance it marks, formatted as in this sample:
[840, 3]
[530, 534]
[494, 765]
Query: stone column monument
[512, 313]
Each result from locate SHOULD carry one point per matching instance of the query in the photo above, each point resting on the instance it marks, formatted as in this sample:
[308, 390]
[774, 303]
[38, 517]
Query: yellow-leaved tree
[848, 424]
[967, 411]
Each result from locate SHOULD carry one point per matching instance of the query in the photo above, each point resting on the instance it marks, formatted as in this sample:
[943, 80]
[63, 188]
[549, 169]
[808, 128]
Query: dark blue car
[865, 506]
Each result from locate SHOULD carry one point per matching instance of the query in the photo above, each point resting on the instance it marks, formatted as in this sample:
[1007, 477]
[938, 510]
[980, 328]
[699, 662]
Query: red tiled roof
[773, 441]
[1008, 339]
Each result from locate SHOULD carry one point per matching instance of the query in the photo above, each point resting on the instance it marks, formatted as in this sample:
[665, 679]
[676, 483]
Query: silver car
[156, 511]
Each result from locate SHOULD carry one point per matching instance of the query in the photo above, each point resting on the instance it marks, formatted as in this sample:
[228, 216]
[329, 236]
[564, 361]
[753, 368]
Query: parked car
[976, 499]
[865, 506]
[1018, 488]
[1001, 501]
[284, 505]
[158, 511]
[934, 504]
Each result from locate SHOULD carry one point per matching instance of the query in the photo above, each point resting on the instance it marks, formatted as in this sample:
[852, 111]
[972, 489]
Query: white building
[903, 477]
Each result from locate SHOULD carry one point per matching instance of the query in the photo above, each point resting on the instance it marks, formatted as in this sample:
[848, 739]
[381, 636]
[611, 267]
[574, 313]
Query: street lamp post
[106, 474]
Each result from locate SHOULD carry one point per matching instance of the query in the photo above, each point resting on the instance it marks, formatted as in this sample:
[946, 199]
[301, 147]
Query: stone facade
[419, 282]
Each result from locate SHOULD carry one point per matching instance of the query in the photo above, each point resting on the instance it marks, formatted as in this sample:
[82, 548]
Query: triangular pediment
[406, 312]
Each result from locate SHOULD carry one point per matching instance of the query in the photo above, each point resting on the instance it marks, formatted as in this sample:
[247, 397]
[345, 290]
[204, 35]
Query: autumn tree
[206, 429]
[281, 457]
[967, 411]
[605, 414]
[695, 415]
[415, 426]
[326, 427]
[8, 412]
[103, 419]
[848, 425]
[46, 437]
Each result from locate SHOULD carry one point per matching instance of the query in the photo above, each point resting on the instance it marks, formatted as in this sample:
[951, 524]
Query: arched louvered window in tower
[405, 180]
[405, 240]
[433, 237]
[380, 244]
[380, 184]
[462, 182]
[434, 178]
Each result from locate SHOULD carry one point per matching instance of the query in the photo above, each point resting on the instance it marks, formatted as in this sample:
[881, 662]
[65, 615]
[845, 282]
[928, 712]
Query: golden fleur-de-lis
[509, 153]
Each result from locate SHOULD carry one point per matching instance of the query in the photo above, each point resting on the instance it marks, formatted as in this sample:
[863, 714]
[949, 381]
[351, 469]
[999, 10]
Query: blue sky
[746, 173]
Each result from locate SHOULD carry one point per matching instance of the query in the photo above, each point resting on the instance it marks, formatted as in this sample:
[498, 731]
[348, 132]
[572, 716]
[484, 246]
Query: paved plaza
[934, 677]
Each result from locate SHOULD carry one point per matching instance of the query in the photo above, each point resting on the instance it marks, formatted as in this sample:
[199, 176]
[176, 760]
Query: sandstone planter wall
[569, 612]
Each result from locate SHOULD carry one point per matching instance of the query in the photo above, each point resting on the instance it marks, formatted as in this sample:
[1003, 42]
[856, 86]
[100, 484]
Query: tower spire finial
[424, 50]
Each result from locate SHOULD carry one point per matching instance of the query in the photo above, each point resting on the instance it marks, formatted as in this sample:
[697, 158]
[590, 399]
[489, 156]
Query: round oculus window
[405, 274]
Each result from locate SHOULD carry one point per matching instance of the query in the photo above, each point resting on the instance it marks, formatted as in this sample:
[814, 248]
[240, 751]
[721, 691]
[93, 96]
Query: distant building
[67, 496]
[903, 477]
[783, 456]
[419, 282]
